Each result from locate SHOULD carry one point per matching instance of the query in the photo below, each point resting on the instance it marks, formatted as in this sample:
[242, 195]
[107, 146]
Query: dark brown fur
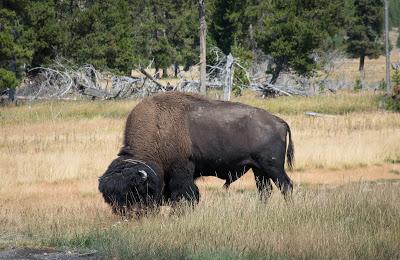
[163, 135]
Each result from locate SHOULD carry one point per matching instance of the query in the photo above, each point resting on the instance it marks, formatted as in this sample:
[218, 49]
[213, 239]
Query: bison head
[130, 184]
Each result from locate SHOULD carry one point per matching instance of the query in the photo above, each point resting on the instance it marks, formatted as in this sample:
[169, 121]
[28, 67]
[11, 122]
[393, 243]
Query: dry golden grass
[52, 153]
[354, 221]
[375, 69]
[356, 139]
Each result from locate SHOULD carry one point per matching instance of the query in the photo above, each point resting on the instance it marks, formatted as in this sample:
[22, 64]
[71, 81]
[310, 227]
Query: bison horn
[143, 174]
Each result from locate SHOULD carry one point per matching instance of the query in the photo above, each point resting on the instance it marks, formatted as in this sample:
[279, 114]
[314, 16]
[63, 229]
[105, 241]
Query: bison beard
[173, 138]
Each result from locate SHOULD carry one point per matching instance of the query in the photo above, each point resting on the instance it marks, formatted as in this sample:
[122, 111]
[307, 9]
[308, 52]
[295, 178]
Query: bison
[172, 138]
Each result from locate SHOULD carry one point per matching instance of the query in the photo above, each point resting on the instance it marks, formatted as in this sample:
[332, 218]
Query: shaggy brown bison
[173, 138]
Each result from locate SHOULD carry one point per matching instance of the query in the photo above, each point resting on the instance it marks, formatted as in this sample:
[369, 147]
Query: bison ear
[143, 174]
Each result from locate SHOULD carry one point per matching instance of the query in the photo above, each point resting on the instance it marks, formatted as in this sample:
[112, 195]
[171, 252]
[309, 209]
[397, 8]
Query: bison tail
[290, 149]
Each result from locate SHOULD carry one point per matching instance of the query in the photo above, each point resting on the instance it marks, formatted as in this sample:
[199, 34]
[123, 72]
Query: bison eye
[143, 174]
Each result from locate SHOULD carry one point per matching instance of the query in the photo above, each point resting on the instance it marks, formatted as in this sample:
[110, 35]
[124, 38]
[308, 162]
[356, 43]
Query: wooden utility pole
[203, 62]
[387, 52]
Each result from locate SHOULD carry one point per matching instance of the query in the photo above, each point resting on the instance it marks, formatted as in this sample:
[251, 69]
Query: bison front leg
[181, 184]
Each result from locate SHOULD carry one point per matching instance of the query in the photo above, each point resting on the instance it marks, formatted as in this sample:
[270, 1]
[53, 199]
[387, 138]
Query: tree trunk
[387, 51]
[362, 61]
[176, 69]
[203, 62]
[275, 75]
[253, 44]
[165, 73]
[274, 78]
[229, 70]
[361, 68]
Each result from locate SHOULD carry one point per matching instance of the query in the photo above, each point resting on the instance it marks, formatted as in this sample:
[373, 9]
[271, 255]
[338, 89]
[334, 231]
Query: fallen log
[315, 114]
[45, 98]
[95, 93]
[268, 85]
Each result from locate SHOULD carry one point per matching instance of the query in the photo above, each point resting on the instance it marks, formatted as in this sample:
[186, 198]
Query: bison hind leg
[278, 176]
[263, 183]
[281, 180]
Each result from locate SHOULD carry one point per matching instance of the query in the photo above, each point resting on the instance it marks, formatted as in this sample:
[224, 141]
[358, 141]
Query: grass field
[345, 204]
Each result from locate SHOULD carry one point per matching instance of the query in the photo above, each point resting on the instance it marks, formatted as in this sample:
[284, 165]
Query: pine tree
[365, 31]
[106, 34]
[230, 23]
[46, 32]
[394, 13]
[14, 53]
[170, 32]
[182, 32]
[292, 31]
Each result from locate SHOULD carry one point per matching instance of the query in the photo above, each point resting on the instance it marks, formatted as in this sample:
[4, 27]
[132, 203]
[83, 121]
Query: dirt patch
[46, 254]
[339, 177]
[317, 177]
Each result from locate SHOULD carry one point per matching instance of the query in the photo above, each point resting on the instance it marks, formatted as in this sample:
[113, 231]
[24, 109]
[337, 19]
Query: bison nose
[143, 174]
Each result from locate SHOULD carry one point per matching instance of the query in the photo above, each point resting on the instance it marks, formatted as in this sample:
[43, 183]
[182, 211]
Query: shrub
[7, 79]
[398, 41]
[392, 104]
[396, 77]
[357, 85]
[245, 58]
[382, 85]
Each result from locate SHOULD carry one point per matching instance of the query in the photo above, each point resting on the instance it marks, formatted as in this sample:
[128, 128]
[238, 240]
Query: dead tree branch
[152, 79]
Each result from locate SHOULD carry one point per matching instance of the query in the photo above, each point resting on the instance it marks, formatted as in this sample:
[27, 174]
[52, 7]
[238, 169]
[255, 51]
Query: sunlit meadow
[345, 203]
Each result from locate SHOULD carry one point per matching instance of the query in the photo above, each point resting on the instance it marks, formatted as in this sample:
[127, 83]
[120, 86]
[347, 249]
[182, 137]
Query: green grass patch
[393, 160]
[63, 111]
[341, 103]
